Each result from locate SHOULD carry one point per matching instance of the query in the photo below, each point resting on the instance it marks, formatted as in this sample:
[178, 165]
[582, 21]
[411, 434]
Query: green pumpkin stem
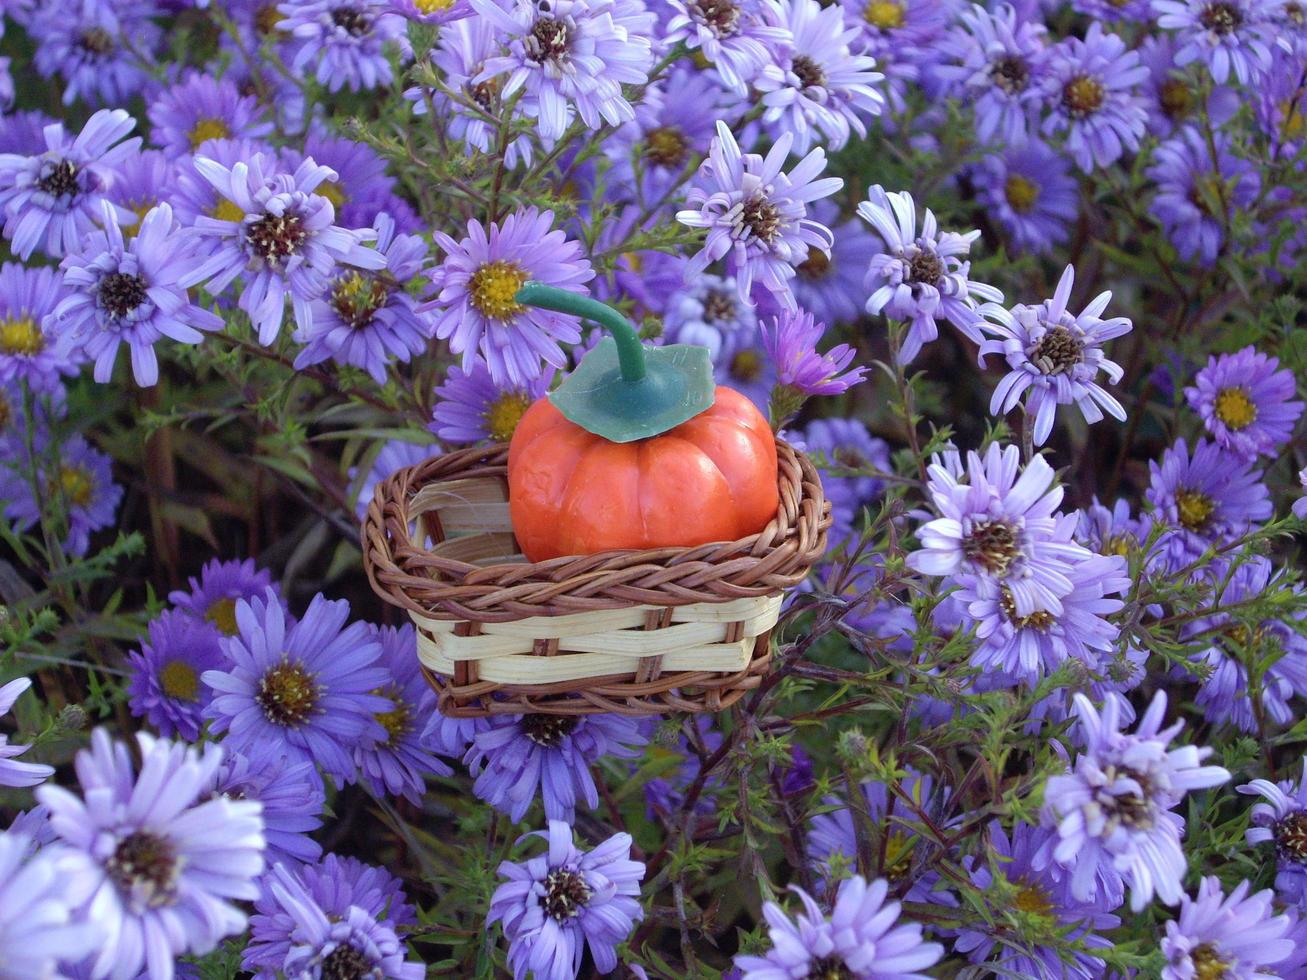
[630, 351]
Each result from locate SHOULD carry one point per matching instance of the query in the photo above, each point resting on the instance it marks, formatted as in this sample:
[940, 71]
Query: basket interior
[468, 520]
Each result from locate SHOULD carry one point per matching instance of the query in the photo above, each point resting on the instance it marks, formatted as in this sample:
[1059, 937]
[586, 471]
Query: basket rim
[405, 574]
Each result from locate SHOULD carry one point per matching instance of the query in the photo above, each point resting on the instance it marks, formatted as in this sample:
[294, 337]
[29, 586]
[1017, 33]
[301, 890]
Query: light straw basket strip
[648, 631]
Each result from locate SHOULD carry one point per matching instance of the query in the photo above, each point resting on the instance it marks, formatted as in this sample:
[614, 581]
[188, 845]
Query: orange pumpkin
[711, 478]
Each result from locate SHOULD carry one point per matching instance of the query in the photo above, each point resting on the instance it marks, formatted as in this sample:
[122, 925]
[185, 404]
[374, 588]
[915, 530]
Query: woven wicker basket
[635, 632]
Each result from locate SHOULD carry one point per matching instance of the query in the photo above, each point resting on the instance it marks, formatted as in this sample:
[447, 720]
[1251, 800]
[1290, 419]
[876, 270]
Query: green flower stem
[630, 351]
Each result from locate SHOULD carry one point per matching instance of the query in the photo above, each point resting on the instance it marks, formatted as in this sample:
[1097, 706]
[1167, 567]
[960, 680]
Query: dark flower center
[566, 893]
[59, 179]
[1221, 18]
[548, 40]
[548, 730]
[925, 267]
[120, 293]
[1082, 96]
[1291, 836]
[358, 296]
[849, 458]
[145, 861]
[1010, 73]
[180, 681]
[266, 19]
[287, 694]
[815, 266]
[1208, 963]
[1133, 810]
[993, 546]
[276, 237]
[1058, 351]
[6, 413]
[1194, 509]
[351, 20]
[722, 17]
[746, 366]
[666, 146]
[762, 218]
[346, 963]
[1038, 620]
[829, 968]
[808, 72]
[1175, 98]
[1294, 14]
[719, 306]
[96, 41]
[75, 483]
[484, 93]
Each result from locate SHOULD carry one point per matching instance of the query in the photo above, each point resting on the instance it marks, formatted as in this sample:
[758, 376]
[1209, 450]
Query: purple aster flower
[919, 278]
[191, 195]
[852, 459]
[163, 867]
[998, 522]
[570, 56]
[1171, 96]
[393, 456]
[518, 757]
[817, 88]
[1040, 893]
[476, 287]
[737, 37]
[367, 319]
[451, 737]
[1114, 11]
[1195, 197]
[165, 683]
[285, 240]
[1229, 36]
[23, 132]
[862, 937]
[1113, 532]
[470, 407]
[1225, 936]
[40, 924]
[830, 286]
[791, 343]
[337, 918]
[303, 687]
[54, 197]
[1300, 505]
[744, 366]
[1090, 94]
[1113, 810]
[901, 34]
[141, 182]
[1025, 648]
[200, 108]
[345, 40]
[1209, 497]
[91, 45]
[756, 215]
[998, 63]
[1055, 357]
[212, 596]
[78, 477]
[644, 278]
[432, 11]
[1282, 819]
[127, 292]
[556, 904]
[1032, 193]
[18, 773]
[398, 763]
[361, 189]
[1246, 403]
[292, 797]
[1281, 101]
[708, 312]
[30, 349]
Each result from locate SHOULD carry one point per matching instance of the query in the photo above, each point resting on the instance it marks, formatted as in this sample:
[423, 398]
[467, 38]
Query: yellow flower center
[222, 614]
[226, 210]
[76, 485]
[493, 288]
[208, 129]
[898, 856]
[1235, 408]
[885, 14]
[358, 296]
[1021, 193]
[21, 335]
[140, 209]
[504, 413]
[432, 6]
[666, 146]
[1119, 544]
[1082, 96]
[1208, 964]
[633, 261]
[1194, 508]
[1033, 900]
[333, 192]
[287, 694]
[1292, 125]
[746, 366]
[179, 681]
[396, 720]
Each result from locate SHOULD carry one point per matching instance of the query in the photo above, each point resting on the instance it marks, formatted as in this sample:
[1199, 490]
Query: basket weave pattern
[636, 632]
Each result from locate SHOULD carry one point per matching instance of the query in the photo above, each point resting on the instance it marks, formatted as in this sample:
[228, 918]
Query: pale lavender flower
[13, 773]
[165, 686]
[470, 407]
[862, 937]
[292, 796]
[78, 476]
[1225, 936]
[212, 596]
[40, 924]
[1113, 810]
[830, 286]
[344, 41]
[164, 868]
[1282, 820]
[756, 214]
[556, 904]
[737, 37]
[1229, 36]
[1246, 402]
[31, 349]
[920, 278]
[791, 343]
[1055, 357]
[89, 44]
[200, 108]
[1300, 505]
[1032, 193]
[284, 243]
